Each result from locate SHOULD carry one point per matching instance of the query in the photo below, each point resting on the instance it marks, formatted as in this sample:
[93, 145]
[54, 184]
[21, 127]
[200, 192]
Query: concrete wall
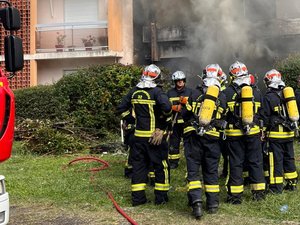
[288, 9]
[50, 71]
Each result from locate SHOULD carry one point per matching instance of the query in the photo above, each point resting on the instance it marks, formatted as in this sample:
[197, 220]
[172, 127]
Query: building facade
[60, 36]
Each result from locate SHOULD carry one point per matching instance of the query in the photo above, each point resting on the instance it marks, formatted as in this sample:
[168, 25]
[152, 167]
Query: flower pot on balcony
[59, 48]
[88, 46]
[71, 48]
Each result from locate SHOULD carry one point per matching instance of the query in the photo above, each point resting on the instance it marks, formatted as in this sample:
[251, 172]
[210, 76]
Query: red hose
[104, 166]
[90, 158]
[121, 210]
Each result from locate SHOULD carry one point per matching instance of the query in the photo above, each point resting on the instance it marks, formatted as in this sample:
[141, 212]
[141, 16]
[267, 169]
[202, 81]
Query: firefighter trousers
[128, 141]
[174, 145]
[241, 149]
[282, 165]
[143, 155]
[202, 156]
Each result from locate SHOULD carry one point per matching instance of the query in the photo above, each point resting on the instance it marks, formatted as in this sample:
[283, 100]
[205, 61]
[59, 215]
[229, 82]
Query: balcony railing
[70, 37]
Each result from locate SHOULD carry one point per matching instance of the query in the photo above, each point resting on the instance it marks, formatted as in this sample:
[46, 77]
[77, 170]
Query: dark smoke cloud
[223, 31]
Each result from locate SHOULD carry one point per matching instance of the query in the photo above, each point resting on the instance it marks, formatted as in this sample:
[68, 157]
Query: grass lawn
[44, 190]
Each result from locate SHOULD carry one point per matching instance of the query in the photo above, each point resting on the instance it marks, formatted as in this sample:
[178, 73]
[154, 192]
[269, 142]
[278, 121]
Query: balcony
[166, 34]
[69, 40]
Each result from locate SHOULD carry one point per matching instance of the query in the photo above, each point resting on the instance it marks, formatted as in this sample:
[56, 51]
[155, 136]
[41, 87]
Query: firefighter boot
[197, 210]
[161, 197]
[234, 199]
[291, 185]
[258, 195]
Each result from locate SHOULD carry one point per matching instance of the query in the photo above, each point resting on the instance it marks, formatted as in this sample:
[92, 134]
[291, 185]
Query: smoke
[220, 31]
[224, 34]
[223, 31]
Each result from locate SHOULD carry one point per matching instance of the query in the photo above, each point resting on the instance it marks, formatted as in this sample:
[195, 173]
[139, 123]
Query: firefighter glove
[183, 100]
[157, 137]
[176, 108]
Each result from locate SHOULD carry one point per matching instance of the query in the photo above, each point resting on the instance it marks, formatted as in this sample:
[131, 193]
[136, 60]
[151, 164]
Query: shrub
[41, 137]
[290, 69]
[39, 102]
[92, 94]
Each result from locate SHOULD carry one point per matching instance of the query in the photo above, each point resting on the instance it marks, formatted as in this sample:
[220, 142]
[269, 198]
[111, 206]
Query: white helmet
[273, 79]
[238, 69]
[178, 75]
[213, 71]
[150, 73]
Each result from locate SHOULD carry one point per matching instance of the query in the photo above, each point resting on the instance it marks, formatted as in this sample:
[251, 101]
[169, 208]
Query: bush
[41, 137]
[290, 69]
[39, 102]
[92, 94]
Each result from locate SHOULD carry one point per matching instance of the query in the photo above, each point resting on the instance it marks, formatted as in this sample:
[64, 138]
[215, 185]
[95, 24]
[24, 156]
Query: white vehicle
[4, 202]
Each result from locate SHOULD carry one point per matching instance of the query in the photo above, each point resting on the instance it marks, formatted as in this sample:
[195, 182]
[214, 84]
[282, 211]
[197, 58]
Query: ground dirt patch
[37, 214]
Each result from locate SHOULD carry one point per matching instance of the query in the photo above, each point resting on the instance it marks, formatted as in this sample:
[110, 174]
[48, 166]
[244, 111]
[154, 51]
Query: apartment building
[60, 36]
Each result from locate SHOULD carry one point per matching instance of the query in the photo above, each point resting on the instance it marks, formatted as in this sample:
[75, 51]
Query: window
[81, 11]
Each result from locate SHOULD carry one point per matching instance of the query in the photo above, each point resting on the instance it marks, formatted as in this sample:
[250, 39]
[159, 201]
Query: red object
[7, 118]
[129, 219]
[252, 79]
[96, 169]
[176, 108]
[90, 159]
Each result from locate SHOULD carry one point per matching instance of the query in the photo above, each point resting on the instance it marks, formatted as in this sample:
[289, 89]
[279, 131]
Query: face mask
[276, 83]
[244, 80]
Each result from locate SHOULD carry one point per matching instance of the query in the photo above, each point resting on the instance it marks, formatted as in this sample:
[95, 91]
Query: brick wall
[22, 78]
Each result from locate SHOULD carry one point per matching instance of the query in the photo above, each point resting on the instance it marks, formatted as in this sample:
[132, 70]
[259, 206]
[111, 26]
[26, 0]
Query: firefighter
[152, 110]
[128, 126]
[203, 121]
[281, 117]
[175, 94]
[243, 141]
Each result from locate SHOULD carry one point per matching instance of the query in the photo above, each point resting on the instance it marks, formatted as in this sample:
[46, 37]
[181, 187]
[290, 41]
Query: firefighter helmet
[178, 75]
[213, 75]
[238, 69]
[273, 79]
[213, 71]
[252, 79]
[150, 73]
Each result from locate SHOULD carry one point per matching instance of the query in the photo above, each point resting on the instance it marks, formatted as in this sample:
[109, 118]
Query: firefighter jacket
[174, 97]
[128, 118]
[233, 117]
[191, 116]
[276, 121]
[152, 109]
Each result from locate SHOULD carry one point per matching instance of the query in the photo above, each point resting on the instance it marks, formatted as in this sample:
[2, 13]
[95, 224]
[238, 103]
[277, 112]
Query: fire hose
[96, 169]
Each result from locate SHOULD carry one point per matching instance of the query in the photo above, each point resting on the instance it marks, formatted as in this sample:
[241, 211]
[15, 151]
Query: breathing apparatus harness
[201, 128]
[237, 111]
[283, 117]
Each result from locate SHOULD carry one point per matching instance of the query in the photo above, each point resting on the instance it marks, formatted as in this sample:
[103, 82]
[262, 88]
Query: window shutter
[81, 11]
